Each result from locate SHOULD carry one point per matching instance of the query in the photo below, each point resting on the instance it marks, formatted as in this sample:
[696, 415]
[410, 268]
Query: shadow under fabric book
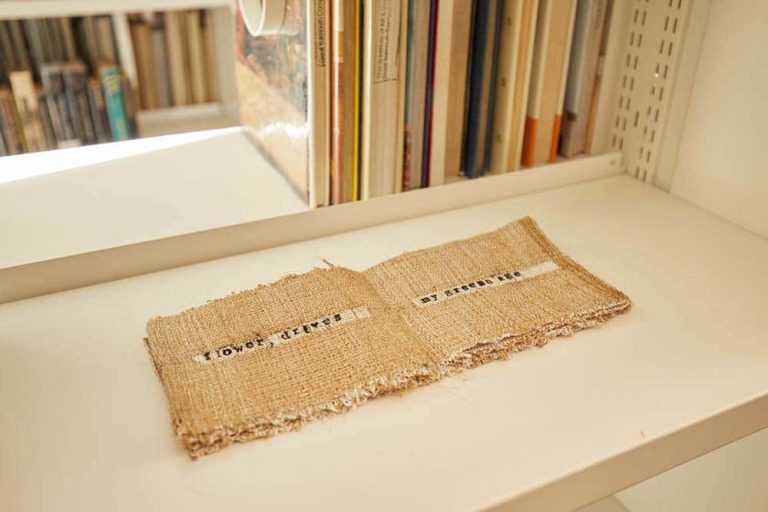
[282, 75]
[273, 358]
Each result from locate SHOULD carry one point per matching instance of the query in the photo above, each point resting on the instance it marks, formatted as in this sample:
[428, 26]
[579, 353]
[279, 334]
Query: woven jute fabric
[273, 358]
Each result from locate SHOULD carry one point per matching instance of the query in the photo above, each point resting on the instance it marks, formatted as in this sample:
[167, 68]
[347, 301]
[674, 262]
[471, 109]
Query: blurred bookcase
[213, 107]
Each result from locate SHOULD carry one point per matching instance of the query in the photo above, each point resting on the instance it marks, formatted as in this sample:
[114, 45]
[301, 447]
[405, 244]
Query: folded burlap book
[273, 358]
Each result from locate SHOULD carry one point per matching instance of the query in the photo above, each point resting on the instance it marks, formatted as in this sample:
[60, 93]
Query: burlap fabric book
[273, 358]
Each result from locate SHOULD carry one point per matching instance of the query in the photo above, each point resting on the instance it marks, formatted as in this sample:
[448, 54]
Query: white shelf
[11, 9]
[549, 429]
[37, 263]
[185, 119]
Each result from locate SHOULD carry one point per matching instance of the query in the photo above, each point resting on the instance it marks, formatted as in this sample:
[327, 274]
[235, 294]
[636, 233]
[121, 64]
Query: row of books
[69, 109]
[174, 54]
[401, 94]
[61, 85]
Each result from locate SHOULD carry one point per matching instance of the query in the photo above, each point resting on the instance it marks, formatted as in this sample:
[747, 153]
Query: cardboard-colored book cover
[282, 80]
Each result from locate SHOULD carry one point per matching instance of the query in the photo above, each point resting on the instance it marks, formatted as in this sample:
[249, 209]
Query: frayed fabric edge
[204, 443]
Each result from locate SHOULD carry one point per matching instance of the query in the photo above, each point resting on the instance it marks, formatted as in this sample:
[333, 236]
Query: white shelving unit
[680, 375]
[162, 121]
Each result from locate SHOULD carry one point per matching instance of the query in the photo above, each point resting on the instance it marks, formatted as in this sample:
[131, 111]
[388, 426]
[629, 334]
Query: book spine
[45, 119]
[115, 103]
[480, 96]
[533, 110]
[357, 101]
[99, 116]
[176, 60]
[428, 97]
[75, 83]
[454, 24]
[561, 94]
[380, 99]
[56, 99]
[337, 103]
[399, 144]
[145, 66]
[28, 110]
[319, 103]
[131, 102]
[195, 52]
[209, 51]
[9, 123]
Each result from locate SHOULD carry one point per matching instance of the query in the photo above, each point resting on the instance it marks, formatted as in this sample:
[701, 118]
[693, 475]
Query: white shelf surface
[111, 195]
[86, 427]
[10, 9]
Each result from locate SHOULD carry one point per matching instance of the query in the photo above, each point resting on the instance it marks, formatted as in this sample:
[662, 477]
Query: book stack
[61, 85]
[174, 56]
[356, 99]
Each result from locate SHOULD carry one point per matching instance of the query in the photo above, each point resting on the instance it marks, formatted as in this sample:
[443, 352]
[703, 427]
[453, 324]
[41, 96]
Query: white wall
[723, 158]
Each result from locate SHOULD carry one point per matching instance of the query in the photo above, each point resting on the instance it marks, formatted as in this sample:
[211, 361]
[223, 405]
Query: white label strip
[485, 282]
[228, 351]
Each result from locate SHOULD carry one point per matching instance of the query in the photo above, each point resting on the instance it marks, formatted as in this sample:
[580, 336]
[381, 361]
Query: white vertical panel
[721, 164]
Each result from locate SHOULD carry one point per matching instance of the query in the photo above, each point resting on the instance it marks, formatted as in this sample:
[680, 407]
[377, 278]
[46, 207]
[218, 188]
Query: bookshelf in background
[73, 73]
[61, 85]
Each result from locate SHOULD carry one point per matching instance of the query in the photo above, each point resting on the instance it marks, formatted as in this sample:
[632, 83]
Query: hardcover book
[282, 80]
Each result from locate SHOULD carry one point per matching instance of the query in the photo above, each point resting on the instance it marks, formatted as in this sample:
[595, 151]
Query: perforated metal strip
[654, 42]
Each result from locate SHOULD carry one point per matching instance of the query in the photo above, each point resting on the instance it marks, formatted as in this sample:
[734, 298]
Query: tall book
[209, 53]
[429, 95]
[319, 104]
[454, 27]
[481, 79]
[99, 115]
[196, 57]
[52, 77]
[176, 47]
[76, 87]
[343, 70]
[105, 40]
[28, 110]
[69, 46]
[282, 81]
[582, 70]
[160, 59]
[512, 81]
[114, 99]
[592, 117]
[415, 91]
[19, 48]
[143, 49]
[10, 124]
[382, 59]
[550, 59]
[563, 83]
[45, 119]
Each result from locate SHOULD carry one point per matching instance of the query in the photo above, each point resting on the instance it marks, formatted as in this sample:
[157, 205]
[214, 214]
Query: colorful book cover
[114, 99]
[275, 85]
